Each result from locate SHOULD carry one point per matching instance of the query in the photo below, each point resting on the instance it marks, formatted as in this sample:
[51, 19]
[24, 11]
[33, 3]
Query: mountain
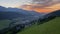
[16, 16]
[56, 13]
[52, 14]
[22, 11]
[10, 13]
[49, 16]
[2, 8]
[51, 26]
[22, 16]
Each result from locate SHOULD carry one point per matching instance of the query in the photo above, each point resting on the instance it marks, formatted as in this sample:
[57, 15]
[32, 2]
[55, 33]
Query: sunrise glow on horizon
[26, 5]
[42, 10]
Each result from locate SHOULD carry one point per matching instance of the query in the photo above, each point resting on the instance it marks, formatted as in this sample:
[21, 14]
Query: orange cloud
[47, 9]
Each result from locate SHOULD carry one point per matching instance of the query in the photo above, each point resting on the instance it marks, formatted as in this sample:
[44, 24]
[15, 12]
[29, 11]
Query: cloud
[46, 7]
[45, 3]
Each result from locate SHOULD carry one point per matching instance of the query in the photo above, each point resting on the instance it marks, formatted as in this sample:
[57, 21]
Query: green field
[50, 27]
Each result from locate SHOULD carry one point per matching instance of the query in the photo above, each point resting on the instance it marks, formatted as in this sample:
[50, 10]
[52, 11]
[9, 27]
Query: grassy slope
[50, 27]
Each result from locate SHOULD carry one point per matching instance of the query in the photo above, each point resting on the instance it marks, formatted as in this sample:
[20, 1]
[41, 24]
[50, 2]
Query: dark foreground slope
[50, 27]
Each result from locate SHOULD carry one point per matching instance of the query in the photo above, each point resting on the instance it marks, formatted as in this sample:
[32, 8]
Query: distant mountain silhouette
[49, 16]
[54, 13]
[2, 8]
[10, 13]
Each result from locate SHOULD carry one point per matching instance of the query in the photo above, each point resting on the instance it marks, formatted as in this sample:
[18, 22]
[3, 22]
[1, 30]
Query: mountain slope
[10, 13]
[56, 13]
[50, 27]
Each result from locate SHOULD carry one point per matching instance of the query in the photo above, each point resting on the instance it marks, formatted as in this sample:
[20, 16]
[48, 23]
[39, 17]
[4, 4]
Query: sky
[51, 6]
[27, 4]
[13, 3]
[42, 10]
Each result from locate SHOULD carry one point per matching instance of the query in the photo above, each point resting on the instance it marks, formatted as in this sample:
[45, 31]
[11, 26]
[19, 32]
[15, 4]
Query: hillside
[50, 27]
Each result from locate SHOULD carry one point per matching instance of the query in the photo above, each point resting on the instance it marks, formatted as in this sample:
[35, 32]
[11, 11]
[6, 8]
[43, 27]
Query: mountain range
[19, 16]
[8, 13]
